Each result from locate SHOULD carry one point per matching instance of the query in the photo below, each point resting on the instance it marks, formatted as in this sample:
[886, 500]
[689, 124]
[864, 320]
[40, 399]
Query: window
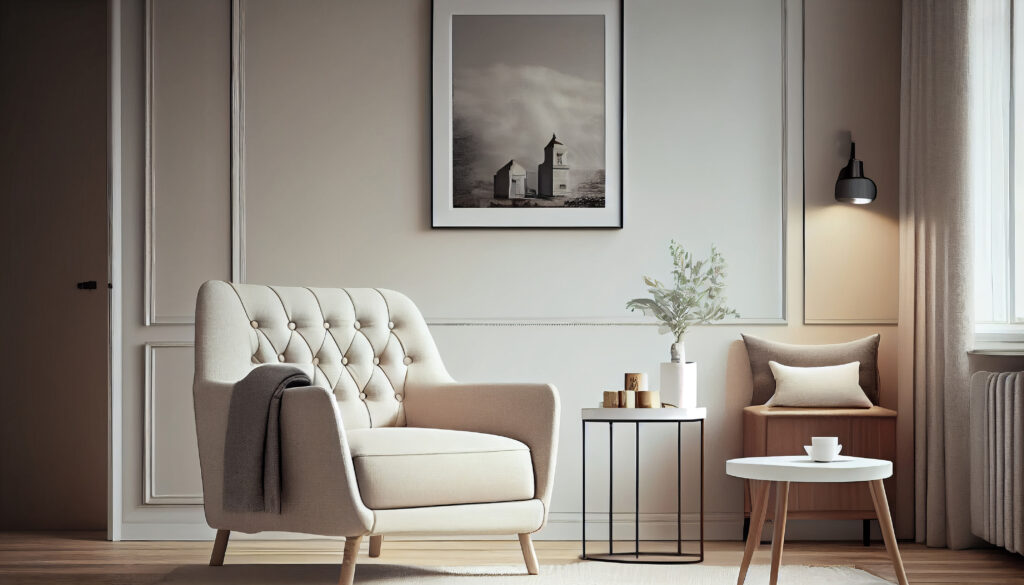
[997, 163]
[559, 157]
[562, 186]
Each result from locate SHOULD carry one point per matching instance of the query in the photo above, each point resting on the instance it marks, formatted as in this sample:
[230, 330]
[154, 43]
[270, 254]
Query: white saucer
[808, 449]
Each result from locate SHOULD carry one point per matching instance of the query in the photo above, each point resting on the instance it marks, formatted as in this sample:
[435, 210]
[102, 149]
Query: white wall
[336, 168]
[335, 135]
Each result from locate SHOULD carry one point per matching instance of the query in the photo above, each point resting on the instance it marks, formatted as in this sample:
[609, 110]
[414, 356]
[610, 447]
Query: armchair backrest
[369, 346]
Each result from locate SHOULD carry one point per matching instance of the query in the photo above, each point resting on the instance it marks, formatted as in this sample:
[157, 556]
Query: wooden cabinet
[863, 432]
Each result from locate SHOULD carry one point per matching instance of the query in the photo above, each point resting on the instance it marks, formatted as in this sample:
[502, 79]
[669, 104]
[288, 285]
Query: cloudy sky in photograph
[518, 79]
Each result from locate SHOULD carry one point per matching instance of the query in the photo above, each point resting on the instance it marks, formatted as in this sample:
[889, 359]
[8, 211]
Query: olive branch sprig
[695, 297]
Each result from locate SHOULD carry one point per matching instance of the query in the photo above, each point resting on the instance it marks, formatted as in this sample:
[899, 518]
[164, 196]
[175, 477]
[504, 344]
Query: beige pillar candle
[636, 381]
[611, 399]
[627, 399]
[648, 399]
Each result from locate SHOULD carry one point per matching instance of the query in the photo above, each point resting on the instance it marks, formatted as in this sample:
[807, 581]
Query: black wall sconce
[852, 186]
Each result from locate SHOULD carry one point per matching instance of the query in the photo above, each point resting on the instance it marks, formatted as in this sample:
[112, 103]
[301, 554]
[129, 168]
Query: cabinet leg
[746, 526]
[867, 532]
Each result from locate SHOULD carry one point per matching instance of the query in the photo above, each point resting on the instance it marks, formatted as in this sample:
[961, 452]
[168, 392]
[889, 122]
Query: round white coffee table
[763, 471]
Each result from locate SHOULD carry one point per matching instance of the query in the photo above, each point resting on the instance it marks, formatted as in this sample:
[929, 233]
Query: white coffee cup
[825, 448]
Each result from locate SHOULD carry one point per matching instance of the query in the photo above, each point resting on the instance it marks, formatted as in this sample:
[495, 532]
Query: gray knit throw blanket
[252, 447]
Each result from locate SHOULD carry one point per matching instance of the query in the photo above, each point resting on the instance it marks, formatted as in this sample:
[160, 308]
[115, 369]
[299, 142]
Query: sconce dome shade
[852, 186]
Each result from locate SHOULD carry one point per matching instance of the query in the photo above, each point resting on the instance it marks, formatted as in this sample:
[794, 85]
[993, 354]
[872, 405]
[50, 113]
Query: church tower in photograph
[553, 173]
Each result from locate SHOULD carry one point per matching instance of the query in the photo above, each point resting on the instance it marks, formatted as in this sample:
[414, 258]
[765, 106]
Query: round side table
[634, 417]
[763, 471]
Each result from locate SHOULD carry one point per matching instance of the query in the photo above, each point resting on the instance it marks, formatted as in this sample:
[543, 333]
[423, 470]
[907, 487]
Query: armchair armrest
[525, 412]
[317, 473]
[319, 490]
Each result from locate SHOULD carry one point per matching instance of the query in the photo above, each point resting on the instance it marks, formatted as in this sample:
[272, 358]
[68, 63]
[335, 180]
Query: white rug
[581, 573]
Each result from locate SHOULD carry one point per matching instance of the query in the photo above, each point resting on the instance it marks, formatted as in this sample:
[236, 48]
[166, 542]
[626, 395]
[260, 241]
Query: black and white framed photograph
[527, 113]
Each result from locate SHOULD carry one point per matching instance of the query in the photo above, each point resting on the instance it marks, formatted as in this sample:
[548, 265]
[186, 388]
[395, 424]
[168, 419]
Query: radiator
[997, 458]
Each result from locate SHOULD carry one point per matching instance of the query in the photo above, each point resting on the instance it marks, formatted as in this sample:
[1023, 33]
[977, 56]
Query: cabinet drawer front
[787, 436]
[867, 437]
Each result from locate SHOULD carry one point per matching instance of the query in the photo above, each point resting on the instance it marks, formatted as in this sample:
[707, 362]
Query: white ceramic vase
[679, 384]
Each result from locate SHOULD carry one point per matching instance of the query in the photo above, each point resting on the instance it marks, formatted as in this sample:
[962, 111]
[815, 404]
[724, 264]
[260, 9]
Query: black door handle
[87, 285]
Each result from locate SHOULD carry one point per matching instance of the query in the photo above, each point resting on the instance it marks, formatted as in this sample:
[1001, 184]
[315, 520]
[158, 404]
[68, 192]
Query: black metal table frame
[637, 556]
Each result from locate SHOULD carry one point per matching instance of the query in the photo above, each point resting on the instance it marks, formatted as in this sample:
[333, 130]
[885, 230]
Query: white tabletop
[642, 414]
[801, 468]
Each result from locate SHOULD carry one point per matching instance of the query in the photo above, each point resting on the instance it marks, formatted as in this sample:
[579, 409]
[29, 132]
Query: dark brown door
[53, 227]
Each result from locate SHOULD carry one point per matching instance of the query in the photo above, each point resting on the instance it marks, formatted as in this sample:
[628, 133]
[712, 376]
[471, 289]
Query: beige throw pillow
[823, 386]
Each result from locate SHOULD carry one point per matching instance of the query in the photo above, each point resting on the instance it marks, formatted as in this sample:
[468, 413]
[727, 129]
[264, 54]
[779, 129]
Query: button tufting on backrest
[349, 339]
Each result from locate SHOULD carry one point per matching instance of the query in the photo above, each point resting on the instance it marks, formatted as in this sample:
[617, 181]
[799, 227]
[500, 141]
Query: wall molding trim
[575, 322]
[784, 309]
[811, 274]
[887, 322]
[149, 495]
[238, 140]
[115, 465]
[149, 295]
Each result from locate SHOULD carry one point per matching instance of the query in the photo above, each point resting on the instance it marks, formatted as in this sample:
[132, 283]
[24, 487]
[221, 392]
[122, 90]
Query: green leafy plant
[695, 297]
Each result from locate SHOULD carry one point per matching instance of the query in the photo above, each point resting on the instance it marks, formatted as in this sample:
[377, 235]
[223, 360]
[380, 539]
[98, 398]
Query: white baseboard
[561, 526]
[717, 526]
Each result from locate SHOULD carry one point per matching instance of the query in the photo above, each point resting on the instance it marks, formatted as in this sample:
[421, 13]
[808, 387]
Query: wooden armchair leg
[529, 555]
[219, 546]
[375, 543]
[348, 563]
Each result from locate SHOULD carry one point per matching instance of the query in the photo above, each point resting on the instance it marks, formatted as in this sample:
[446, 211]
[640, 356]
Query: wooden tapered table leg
[759, 508]
[885, 523]
[375, 543]
[779, 537]
[219, 546]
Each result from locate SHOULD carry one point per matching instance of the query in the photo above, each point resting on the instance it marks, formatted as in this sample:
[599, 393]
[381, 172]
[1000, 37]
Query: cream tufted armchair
[384, 442]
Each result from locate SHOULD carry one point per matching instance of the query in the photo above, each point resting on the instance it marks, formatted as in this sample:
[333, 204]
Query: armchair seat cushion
[408, 467]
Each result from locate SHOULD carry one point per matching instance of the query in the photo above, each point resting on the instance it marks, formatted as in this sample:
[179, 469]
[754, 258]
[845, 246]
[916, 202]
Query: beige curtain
[936, 209]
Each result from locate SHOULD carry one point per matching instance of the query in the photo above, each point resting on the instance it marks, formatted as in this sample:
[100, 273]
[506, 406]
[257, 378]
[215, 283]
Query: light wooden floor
[87, 559]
